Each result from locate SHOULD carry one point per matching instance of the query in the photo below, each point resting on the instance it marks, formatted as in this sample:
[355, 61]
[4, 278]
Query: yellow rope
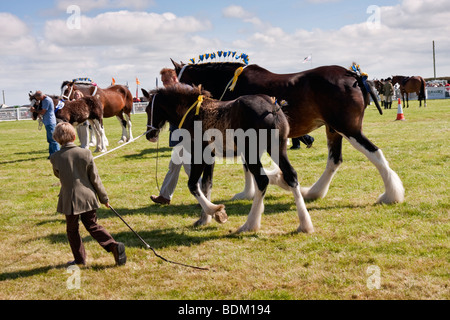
[237, 73]
[197, 104]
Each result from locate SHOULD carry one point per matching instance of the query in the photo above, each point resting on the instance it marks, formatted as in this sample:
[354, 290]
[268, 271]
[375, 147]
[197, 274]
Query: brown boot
[118, 250]
[159, 199]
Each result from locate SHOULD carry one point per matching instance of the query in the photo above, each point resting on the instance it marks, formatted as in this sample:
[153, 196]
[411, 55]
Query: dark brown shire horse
[247, 126]
[330, 95]
[411, 84]
[116, 100]
[77, 112]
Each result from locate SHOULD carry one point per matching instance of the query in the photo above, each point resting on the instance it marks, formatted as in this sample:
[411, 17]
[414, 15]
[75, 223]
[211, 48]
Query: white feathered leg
[123, 139]
[320, 188]
[249, 188]
[253, 222]
[306, 225]
[100, 134]
[129, 132]
[394, 191]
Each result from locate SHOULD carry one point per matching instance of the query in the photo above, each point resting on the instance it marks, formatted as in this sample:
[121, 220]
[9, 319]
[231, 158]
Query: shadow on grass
[160, 238]
[42, 270]
[28, 273]
[151, 150]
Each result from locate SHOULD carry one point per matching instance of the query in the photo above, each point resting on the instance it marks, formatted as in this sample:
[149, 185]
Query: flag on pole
[113, 81]
[308, 58]
[138, 82]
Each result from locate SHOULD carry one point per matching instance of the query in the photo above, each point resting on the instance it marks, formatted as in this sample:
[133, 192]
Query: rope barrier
[105, 153]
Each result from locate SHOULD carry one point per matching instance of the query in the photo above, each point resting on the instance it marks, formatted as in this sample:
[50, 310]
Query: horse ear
[177, 66]
[145, 93]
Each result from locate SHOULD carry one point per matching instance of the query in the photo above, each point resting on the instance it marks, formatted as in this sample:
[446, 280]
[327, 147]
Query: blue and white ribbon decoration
[221, 56]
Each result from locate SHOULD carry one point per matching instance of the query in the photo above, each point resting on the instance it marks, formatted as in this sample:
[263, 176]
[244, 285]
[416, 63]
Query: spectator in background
[48, 118]
[306, 139]
[388, 91]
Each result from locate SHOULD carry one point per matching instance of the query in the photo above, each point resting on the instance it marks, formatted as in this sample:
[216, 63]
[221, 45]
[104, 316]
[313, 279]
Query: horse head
[155, 121]
[67, 90]
[178, 66]
[169, 105]
[397, 79]
[34, 102]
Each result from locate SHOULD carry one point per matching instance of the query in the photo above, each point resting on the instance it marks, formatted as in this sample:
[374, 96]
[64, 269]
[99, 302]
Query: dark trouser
[306, 139]
[97, 232]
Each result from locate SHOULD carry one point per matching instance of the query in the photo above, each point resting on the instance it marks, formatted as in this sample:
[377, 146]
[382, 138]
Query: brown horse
[77, 112]
[330, 95]
[247, 126]
[116, 100]
[411, 84]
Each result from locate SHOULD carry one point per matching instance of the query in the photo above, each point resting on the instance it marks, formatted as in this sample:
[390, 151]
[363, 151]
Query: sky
[43, 43]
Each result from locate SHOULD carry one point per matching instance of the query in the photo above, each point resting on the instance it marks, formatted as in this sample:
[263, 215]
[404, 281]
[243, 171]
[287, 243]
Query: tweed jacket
[80, 182]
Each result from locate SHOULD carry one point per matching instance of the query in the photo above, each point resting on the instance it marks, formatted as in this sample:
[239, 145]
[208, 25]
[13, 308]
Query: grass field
[355, 244]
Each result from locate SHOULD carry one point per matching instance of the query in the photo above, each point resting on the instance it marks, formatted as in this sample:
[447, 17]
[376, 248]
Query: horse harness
[71, 91]
[197, 104]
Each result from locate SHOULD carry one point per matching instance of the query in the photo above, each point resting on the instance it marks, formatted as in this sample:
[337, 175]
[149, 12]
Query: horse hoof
[246, 228]
[306, 229]
[243, 196]
[309, 194]
[385, 199]
[220, 215]
[203, 221]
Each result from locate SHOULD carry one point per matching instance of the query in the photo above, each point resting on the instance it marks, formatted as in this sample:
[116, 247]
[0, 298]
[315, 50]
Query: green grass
[409, 242]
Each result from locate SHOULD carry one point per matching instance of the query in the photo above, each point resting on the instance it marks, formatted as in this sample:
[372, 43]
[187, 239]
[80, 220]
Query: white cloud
[401, 44]
[415, 14]
[126, 44]
[123, 28]
[238, 12]
[11, 27]
[89, 5]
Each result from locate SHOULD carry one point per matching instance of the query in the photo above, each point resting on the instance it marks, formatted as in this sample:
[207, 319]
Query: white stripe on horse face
[33, 102]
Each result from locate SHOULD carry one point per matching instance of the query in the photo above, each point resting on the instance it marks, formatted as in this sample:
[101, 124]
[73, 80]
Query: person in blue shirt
[48, 118]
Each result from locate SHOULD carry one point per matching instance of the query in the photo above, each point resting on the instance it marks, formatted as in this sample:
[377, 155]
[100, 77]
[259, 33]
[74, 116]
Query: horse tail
[280, 120]
[366, 89]
[422, 89]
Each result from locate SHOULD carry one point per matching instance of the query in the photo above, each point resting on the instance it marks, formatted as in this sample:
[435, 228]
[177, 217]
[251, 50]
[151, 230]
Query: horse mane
[65, 83]
[182, 92]
[215, 65]
[53, 96]
[181, 96]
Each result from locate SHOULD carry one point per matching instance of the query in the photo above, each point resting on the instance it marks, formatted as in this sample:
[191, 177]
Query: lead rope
[154, 251]
[156, 169]
[157, 143]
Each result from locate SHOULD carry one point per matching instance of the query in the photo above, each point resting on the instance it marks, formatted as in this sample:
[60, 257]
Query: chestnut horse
[411, 84]
[330, 95]
[77, 112]
[116, 100]
[206, 132]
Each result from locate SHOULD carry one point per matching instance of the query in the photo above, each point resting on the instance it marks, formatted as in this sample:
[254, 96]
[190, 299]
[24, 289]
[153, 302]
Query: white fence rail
[23, 113]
